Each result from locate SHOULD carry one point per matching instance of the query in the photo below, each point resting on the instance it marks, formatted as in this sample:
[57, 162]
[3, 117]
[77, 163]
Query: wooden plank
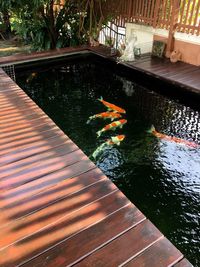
[194, 76]
[21, 118]
[79, 170]
[22, 124]
[23, 106]
[46, 197]
[27, 226]
[6, 146]
[39, 169]
[32, 149]
[183, 263]
[26, 163]
[19, 101]
[129, 244]
[162, 253]
[90, 240]
[29, 133]
[15, 112]
[99, 206]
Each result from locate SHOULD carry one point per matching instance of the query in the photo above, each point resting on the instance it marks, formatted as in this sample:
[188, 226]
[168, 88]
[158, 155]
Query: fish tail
[89, 119]
[99, 134]
[152, 129]
[100, 99]
[99, 150]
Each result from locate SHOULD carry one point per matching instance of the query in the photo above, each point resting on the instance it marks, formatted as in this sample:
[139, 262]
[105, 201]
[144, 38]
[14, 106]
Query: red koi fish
[105, 115]
[112, 106]
[112, 126]
[172, 138]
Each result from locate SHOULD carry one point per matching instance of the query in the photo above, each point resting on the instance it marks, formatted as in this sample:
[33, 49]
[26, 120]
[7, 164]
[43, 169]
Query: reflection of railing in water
[174, 118]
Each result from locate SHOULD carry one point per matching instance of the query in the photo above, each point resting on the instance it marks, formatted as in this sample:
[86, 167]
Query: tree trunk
[6, 21]
[52, 29]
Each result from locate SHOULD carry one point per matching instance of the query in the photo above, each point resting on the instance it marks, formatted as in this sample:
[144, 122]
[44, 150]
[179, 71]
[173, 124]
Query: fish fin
[89, 119]
[100, 99]
[152, 129]
[98, 134]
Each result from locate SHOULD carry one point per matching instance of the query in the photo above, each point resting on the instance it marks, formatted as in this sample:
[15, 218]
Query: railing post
[156, 13]
[173, 22]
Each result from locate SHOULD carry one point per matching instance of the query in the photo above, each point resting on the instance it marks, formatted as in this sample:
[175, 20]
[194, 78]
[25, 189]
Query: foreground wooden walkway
[57, 208]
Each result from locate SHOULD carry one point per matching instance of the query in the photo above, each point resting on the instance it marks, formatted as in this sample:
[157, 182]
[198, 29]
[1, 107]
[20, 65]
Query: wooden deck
[183, 75]
[57, 207]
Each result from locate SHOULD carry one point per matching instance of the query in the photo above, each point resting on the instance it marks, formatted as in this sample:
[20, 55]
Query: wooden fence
[182, 15]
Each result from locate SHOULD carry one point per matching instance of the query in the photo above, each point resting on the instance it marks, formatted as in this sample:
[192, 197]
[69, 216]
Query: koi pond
[160, 176]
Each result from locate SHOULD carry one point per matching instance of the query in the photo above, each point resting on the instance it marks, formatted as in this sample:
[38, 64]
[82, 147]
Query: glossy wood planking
[162, 253]
[26, 163]
[62, 229]
[46, 197]
[79, 170]
[40, 169]
[183, 263]
[33, 149]
[124, 247]
[27, 226]
[90, 240]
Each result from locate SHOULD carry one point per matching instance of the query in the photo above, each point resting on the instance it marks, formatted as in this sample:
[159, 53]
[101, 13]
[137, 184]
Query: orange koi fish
[172, 138]
[112, 106]
[115, 140]
[112, 126]
[105, 115]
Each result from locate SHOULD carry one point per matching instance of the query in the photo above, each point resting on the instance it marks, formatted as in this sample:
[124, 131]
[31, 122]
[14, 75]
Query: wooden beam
[175, 8]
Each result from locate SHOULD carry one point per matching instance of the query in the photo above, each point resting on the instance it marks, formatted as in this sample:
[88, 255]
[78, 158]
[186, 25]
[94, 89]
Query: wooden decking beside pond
[57, 207]
[183, 75]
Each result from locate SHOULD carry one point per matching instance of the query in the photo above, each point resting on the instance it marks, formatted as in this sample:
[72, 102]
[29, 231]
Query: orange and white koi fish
[112, 126]
[115, 140]
[112, 106]
[105, 115]
[172, 138]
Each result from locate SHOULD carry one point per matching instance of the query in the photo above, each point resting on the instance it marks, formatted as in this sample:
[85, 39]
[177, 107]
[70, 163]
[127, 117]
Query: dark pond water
[162, 178]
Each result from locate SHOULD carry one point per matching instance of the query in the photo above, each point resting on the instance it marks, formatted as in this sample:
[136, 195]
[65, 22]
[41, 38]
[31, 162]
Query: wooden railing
[189, 17]
[161, 14]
